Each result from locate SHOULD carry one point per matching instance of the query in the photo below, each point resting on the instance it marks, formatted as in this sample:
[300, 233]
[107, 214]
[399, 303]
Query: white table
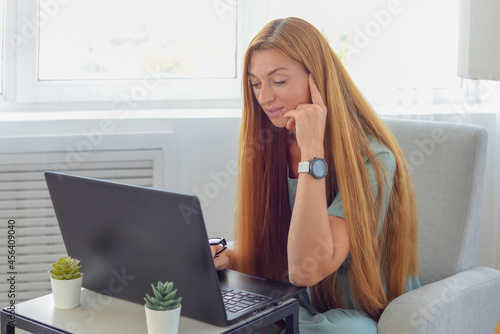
[99, 313]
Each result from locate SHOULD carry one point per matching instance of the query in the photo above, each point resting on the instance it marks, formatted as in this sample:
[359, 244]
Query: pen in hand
[223, 249]
[218, 241]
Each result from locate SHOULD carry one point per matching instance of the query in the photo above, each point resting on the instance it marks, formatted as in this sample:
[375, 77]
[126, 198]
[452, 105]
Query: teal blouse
[386, 158]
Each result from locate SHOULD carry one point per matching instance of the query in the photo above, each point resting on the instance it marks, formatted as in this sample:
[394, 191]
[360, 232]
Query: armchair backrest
[447, 166]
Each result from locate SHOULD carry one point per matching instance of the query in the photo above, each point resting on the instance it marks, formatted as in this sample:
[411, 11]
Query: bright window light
[398, 52]
[151, 54]
[2, 8]
[117, 39]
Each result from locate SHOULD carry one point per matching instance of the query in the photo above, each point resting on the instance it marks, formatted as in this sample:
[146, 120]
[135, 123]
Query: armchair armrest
[467, 302]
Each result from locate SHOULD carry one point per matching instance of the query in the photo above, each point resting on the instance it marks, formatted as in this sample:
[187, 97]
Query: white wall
[206, 156]
[206, 151]
[489, 234]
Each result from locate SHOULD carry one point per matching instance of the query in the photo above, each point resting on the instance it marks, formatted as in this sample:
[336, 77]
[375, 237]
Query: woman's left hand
[309, 120]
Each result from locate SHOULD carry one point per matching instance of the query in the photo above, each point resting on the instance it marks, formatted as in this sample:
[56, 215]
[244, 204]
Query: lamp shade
[479, 39]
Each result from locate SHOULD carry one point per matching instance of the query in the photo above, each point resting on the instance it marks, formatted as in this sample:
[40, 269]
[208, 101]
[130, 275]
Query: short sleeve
[336, 208]
[386, 158]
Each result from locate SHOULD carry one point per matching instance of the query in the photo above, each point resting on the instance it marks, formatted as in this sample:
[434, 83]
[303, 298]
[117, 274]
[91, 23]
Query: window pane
[128, 39]
[394, 50]
[2, 6]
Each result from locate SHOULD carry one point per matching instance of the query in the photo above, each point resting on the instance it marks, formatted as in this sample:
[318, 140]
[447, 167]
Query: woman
[353, 249]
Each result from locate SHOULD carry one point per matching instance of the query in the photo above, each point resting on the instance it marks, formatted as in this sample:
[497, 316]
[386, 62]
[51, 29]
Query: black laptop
[128, 237]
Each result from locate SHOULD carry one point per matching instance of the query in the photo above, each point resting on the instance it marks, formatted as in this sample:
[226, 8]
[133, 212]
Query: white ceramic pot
[163, 322]
[66, 293]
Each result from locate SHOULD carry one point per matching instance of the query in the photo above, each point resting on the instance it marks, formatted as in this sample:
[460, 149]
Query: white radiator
[26, 212]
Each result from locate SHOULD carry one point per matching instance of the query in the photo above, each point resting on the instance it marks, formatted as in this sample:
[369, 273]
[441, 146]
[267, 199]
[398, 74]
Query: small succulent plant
[164, 297]
[66, 268]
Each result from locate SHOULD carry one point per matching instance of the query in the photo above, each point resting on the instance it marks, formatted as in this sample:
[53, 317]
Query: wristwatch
[317, 167]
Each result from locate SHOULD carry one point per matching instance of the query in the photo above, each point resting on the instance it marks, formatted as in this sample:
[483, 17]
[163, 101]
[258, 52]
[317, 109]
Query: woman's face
[278, 83]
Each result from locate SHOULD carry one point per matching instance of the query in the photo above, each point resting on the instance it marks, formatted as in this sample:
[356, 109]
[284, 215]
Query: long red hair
[262, 204]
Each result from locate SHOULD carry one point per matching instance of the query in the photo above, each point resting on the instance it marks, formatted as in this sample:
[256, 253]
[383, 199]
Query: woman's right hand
[221, 261]
[309, 120]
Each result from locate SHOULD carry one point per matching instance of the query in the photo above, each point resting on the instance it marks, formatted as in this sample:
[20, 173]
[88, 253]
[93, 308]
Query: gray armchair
[447, 165]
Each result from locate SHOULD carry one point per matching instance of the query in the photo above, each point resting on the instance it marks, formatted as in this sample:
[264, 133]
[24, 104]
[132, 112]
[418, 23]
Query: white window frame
[2, 39]
[23, 92]
[9, 55]
[131, 94]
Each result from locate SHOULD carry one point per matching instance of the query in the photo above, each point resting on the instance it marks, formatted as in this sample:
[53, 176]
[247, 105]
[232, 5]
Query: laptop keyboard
[237, 300]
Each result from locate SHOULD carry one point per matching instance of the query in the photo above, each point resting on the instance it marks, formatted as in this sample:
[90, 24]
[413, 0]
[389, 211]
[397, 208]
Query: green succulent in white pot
[66, 282]
[163, 310]
[66, 268]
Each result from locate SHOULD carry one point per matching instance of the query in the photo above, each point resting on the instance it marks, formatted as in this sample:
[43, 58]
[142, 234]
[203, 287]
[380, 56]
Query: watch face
[319, 168]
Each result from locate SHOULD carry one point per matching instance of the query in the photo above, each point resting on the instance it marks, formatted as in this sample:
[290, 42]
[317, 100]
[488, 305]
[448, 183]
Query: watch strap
[304, 167]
